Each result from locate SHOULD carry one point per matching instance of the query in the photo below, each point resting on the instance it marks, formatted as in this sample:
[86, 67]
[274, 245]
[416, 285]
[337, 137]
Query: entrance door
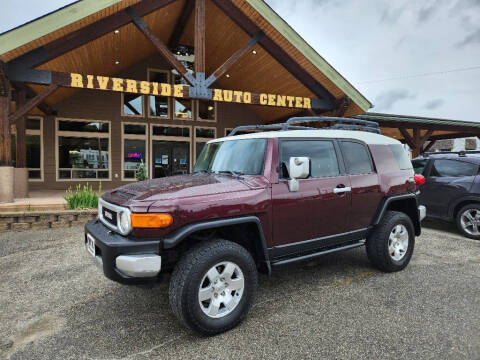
[170, 158]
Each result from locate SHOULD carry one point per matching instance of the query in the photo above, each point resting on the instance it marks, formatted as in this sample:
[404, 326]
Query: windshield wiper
[231, 172]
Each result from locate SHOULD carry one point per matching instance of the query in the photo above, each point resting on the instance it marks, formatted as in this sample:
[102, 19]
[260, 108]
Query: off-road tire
[458, 220]
[378, 239]
[188, 274]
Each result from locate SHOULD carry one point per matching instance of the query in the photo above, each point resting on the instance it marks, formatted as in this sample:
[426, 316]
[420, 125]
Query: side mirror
[299, 169]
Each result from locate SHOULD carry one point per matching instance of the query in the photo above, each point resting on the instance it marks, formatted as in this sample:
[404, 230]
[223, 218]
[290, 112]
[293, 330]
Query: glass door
[170, 158]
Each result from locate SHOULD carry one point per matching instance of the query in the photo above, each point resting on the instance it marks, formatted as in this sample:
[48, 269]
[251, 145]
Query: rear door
[446, 181]
[316, 210]
[366, 192]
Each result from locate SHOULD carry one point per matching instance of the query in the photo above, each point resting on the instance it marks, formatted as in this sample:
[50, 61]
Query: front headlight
[124, 224]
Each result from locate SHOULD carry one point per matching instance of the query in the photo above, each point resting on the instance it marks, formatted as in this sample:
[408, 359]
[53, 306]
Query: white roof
[367, 137]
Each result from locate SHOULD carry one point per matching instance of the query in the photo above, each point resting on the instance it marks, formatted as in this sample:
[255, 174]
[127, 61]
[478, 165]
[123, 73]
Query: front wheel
[468, 221]
[390, 245]
[213, 286]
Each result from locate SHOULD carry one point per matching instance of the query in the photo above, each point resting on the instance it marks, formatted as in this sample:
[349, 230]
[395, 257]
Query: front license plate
[90, 245]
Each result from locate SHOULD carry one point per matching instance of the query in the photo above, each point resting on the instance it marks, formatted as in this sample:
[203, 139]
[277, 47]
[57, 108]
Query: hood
[181, 186]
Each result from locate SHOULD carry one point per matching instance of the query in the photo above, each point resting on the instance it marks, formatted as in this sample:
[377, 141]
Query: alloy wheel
[398, 242]
[221, 289]
[470, 221]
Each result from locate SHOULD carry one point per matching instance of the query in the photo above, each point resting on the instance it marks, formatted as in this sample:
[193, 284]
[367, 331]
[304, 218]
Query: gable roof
[66, 20]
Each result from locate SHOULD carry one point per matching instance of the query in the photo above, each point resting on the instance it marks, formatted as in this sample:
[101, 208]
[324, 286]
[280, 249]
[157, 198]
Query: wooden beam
[408, 139]
[43, 106]
[200, 36]
[234, 58]
[30, 104]
[277, 52]
[452, 136]
[84, 35]
[20, 143]
[159, 45]
[425, 126]
[429, 146]
[341, 106]
[181, 24]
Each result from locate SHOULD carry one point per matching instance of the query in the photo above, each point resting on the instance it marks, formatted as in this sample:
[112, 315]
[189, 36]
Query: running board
[317, 254]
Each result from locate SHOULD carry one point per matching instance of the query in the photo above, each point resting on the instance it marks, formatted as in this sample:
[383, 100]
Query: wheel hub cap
[398, 242]
[221, 289]
[470, 221]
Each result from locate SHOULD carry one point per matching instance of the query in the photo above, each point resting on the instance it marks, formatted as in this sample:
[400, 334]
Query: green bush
[142, 172]
[83, 197]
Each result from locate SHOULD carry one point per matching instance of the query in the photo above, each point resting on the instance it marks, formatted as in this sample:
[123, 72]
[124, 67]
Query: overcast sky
[380, 46]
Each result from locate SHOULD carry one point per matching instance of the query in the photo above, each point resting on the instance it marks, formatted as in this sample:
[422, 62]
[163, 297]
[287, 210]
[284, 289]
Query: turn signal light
[419, 179]
[151, 221]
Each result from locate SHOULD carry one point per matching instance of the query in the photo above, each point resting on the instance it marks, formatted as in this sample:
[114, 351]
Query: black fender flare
[177, 236]
[454, 204]
[391, 199]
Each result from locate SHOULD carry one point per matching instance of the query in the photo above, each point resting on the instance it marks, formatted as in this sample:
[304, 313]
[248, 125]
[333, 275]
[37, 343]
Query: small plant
[142, 172]
[83, 197]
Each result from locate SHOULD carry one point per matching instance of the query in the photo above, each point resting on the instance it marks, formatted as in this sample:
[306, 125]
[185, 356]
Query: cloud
[426, 12]
[434, 104]
[392, 15]
[388, 99]
[472, 38]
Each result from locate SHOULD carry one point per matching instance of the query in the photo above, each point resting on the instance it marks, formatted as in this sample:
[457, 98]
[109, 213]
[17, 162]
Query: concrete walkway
[38, 201]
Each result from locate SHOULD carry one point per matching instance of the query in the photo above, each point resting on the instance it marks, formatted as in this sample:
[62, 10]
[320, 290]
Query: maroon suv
[254, 202]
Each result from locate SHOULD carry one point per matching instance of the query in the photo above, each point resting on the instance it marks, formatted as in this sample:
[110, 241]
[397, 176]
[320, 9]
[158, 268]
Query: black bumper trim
[110, 245]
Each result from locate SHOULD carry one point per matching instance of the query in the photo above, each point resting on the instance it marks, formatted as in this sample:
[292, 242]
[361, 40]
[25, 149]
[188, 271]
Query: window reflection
[132, 104]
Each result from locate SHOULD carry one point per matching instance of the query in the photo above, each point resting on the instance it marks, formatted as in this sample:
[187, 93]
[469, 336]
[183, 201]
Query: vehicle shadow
[441, 225]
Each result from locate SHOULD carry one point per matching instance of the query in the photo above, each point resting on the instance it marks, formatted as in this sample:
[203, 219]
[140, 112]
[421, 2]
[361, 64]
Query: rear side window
[321, 153]
[453, 168]
[357, 158]
[401, 156]
[419, 166]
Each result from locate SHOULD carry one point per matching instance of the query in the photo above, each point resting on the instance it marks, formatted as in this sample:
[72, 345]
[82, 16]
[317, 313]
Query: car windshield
[241, 157]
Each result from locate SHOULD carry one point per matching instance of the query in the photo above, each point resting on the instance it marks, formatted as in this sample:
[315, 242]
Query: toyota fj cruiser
[254, 202]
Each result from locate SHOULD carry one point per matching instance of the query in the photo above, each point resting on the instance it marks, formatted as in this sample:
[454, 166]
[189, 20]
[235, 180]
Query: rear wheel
[468, 221]
[213, 286]
[390, 245]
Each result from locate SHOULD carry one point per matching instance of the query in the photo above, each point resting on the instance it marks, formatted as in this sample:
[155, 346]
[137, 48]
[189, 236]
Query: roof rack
[459, 153]
[338, 124]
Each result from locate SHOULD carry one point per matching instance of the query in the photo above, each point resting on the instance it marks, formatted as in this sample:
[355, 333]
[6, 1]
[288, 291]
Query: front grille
[109, 216]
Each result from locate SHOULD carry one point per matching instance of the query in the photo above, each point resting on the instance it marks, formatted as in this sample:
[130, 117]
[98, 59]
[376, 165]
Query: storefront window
[171, 131]
[182, 107]
[33, 147]
[132, 104]
[158, 105]
[83, 154]
[206, 110]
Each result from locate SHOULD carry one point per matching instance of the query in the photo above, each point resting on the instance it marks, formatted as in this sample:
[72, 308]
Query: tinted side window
[321, 152]
[401, 156]
[357, 158]
[453, 168]
[419, 166]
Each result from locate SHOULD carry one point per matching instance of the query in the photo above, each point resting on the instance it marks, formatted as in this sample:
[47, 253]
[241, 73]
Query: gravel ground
[55, 304]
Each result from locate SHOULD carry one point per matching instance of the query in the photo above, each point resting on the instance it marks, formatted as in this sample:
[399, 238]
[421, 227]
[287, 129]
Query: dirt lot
[55, 304]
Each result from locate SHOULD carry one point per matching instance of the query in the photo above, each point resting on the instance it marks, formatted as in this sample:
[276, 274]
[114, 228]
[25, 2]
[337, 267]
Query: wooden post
[5, 140]
[20, 144]
[199, 36]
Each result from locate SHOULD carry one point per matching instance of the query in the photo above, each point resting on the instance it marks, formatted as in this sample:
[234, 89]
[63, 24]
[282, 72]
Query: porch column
[21, 171]
[6, 169]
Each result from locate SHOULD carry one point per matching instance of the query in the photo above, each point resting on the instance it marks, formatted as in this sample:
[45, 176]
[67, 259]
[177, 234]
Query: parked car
[452, 188]
[255, 202]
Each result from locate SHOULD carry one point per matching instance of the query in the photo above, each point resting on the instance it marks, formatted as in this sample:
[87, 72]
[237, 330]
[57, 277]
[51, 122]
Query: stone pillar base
[7, 176]
[20, 187]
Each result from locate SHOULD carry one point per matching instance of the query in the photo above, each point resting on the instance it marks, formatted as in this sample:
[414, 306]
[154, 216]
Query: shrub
[83, 197]
[142, 172]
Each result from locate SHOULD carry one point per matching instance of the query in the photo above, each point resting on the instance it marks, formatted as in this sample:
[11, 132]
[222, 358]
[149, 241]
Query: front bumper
[124, 260]
[422, 212]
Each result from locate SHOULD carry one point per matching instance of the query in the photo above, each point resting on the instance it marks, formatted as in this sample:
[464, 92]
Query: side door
[315, 210]
[366, 191]
[447, 181]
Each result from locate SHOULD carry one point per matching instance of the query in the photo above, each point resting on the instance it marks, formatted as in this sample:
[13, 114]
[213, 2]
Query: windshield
[238, 156]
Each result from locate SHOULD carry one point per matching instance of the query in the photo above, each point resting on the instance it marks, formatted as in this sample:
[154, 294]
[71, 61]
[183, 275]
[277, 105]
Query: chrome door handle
[342, 190]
